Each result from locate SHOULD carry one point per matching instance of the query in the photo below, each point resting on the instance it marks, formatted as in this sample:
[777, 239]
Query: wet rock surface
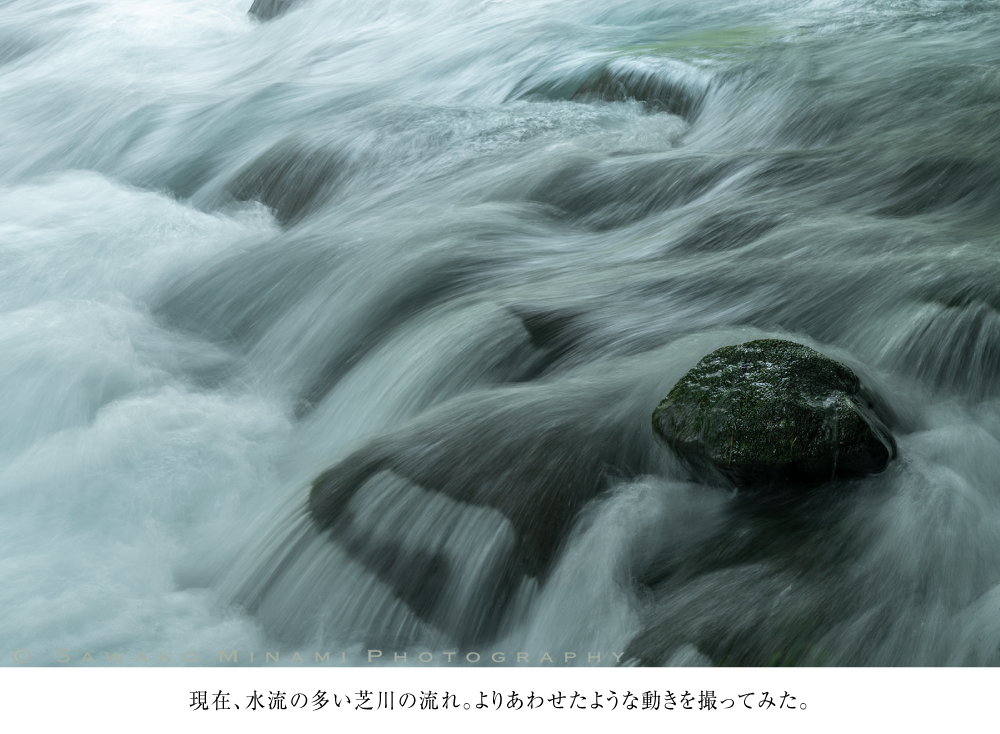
[774, 411]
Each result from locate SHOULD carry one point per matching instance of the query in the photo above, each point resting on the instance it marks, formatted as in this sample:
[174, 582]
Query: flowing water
[453, 254]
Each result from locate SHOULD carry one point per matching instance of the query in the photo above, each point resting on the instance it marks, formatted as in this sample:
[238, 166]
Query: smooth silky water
[461, 250]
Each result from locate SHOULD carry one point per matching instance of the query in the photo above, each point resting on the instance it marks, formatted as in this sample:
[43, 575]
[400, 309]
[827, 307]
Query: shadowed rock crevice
[929, 185]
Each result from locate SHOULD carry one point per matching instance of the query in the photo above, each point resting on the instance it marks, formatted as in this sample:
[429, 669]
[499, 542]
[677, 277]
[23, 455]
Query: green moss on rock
[774, 410]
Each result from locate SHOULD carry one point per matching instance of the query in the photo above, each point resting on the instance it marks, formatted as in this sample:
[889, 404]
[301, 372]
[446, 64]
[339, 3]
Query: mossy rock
[772, 410]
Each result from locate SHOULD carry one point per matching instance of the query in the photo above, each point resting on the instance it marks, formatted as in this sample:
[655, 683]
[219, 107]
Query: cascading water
[442, 259]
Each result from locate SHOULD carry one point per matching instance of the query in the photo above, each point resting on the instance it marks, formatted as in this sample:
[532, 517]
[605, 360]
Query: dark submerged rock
[773, 410]
[657, 92]
[267, 9]
[289, 178]
[955, 346]
[726, 231]
[531, 456]
[659, 84]
[615, 192]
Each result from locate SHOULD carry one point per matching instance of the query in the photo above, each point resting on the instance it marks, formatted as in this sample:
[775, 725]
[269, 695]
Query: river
[451, 251]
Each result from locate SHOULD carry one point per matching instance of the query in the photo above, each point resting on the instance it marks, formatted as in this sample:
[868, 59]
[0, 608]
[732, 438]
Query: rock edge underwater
[770, 411]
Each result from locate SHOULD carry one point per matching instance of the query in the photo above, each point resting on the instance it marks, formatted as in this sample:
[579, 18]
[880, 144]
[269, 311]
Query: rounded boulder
[773, 410]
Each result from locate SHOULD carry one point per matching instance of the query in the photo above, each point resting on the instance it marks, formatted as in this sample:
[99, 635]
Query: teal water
[473, 245]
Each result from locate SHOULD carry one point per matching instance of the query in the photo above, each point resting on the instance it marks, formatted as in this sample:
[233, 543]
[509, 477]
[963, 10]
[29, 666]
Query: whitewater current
[436, 251]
